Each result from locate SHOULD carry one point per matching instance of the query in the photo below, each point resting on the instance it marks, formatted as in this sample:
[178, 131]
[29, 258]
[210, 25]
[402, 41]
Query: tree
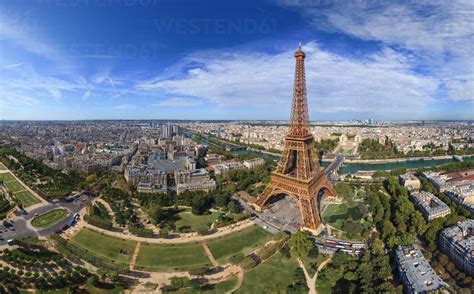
[300, 244]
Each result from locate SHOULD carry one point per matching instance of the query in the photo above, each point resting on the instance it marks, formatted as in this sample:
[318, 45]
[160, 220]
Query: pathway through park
[209, 254]
[311, 282]
[135, 255]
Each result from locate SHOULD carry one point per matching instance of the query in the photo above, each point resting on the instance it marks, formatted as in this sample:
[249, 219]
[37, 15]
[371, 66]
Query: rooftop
[417, 270]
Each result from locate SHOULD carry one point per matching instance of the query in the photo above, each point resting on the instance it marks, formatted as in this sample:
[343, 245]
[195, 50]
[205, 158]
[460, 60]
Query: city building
[196, 186]
[150, 188]
[254, 162]
[416, 272]
[222, 168]
[430, 206]
[142, 174]
[458, 243]
[459, 186]
[410, 181]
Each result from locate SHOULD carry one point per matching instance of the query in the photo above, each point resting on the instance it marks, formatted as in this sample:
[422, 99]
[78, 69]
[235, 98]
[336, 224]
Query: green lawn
[272, 276]
[106, 247]
[50, 218]
[26, 198]
[239, 243]
[178, 257]
[336, 214]
[14, 186]
[6, 177]
[222, 287]
[196, 222]
[18, 190]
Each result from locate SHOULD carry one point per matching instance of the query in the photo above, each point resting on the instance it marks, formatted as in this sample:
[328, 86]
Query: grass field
[24, 196]
[6, 177]
[272, 276]
[50, 218]
[222, 287]
[238, 243]
[336, 214]
[14, 186]
[178, 257]
[106, 247]
[196, 222]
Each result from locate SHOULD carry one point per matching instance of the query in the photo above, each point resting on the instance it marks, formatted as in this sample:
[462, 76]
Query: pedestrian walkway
[209, 254]
[183, 238]
[135, 255]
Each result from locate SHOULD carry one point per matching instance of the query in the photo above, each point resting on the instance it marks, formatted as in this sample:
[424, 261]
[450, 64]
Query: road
[22, 223]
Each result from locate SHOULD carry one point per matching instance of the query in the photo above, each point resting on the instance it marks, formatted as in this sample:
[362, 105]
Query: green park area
[2, 166]
[239, 243]
[175, 257]
[272, 276]
[346, 217]
[6, 177]
[49, 218]
[195, 222]
[18, 190]
[104, 247]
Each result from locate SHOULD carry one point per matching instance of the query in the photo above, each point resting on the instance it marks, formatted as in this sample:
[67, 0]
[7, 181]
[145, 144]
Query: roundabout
[49, 218]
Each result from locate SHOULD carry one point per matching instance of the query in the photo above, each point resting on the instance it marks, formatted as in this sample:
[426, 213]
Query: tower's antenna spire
[300, 45]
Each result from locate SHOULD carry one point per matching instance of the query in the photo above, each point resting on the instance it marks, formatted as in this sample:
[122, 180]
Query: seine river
[348, 168]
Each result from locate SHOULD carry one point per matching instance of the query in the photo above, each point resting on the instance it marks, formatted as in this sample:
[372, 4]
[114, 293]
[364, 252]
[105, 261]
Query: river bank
[352, 166]
[403, 159]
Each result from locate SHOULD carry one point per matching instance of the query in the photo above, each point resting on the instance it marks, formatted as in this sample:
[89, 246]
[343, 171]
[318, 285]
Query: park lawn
[238, 243]
[222, 287]
[176, 257]
[14, 186]
[337, 214]
[110, 248]
[196, 222]
[26, 198]
[49, 218]
[6, 177]
[272, 276]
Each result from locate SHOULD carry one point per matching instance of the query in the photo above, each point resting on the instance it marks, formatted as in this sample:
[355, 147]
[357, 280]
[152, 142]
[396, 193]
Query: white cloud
[178, 102]
[383, 83]
[12, 65]
[439, 33]
[124, 106]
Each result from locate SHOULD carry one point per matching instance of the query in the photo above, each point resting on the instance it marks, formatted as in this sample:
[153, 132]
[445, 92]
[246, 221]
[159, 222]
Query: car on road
[7, 224]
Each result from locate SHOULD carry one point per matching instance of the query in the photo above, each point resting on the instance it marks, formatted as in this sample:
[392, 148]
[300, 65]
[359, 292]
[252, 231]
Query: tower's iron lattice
[298, 174]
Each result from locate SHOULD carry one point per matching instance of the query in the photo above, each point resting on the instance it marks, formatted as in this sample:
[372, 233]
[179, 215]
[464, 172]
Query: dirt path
[183, 238]
[320, 268]
[135, 255]
[163, 278]
[311, 281]
[209, 254]
[109, 210]
[240, 277]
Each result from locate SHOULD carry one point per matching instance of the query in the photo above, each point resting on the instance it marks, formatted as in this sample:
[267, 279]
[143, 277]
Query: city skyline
[67, 60]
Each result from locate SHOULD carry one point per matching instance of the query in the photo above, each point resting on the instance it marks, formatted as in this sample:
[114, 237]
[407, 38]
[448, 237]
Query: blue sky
[190, 59]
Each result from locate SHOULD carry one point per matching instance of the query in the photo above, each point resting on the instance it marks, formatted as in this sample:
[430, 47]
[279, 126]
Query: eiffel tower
[298, 174]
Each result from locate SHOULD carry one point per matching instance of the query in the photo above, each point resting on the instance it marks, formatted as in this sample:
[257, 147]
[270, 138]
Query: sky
[198, 59]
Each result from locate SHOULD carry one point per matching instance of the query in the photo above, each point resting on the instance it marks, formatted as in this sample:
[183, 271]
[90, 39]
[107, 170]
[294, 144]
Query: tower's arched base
[306, 192]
